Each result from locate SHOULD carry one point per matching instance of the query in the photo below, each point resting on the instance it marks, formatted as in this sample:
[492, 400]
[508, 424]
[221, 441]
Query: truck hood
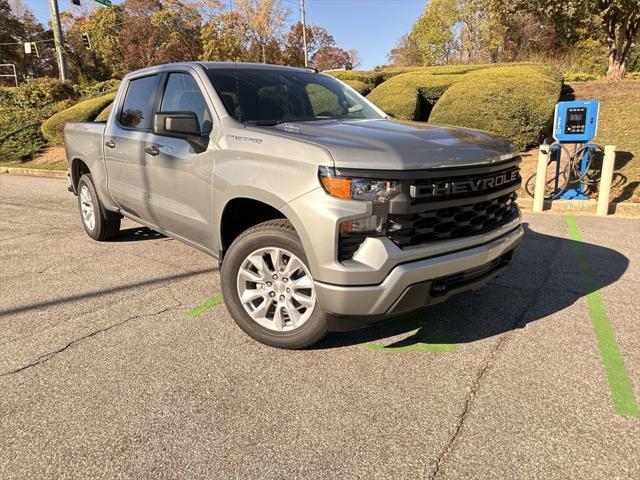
[393, 145]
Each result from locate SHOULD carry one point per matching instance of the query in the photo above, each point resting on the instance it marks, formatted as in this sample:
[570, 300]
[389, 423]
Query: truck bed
[84, 140]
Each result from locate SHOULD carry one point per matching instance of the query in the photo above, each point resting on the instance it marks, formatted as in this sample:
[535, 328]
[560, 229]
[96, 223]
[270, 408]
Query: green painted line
[420, 334]
[622, 395]
[200, 309]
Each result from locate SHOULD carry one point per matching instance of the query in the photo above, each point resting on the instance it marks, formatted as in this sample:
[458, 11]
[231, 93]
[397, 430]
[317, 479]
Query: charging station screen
[576, 120]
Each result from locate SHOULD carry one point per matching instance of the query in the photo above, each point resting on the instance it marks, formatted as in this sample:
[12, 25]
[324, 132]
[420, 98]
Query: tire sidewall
[87, 181]
[312, 330]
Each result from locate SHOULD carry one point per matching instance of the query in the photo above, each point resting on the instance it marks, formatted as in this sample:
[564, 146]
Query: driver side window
[182, 94]
[324, 101]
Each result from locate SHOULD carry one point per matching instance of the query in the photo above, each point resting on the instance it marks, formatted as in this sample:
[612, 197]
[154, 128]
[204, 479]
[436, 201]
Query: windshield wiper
[264, 123]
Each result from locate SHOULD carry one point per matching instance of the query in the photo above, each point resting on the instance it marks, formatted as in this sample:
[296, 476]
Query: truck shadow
[544, 279]
[136, 234]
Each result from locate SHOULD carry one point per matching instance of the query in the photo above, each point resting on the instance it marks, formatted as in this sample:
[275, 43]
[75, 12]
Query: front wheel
[268, 288]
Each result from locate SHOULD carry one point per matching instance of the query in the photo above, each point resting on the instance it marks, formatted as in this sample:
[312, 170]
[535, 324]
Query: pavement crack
[486, 365]
[48, 356]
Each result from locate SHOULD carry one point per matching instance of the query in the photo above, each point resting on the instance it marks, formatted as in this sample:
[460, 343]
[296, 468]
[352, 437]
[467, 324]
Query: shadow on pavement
[105, 291]
[137, 234]
[543, 280]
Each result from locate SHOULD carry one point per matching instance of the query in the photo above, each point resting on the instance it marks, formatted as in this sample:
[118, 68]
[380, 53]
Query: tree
[327, 58]
[263, 20]
[317, 38]
[406, 52]
[619, 21]
[433, 32]
[177, 25]
[224, 38]
[104, 30]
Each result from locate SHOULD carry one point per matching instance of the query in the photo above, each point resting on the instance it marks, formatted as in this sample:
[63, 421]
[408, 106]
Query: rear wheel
[98, 224]
[268, 288]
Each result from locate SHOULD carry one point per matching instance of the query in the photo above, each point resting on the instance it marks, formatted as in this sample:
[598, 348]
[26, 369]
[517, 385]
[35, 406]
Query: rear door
[179, 177]
[125, 139]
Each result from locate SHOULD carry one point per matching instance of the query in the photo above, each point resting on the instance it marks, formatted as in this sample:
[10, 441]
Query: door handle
[110, 143]
[152, 151]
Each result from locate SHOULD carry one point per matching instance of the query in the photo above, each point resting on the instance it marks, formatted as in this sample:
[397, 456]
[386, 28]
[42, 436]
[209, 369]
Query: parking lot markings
[203, 307]
[622, 395]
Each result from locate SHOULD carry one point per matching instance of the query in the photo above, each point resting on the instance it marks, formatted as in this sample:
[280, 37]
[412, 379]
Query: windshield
[269, 97]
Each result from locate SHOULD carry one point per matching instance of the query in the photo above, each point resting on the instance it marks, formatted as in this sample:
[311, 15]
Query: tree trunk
[617, 67]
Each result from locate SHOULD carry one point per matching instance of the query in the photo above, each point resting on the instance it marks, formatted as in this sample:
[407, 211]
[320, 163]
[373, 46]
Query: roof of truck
[216, 65]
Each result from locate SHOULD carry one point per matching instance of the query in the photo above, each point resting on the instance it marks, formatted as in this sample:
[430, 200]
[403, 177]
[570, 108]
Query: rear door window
[138, 103]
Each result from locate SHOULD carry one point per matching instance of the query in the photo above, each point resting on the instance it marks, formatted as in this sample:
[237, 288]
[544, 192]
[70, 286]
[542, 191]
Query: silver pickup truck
[324, 212]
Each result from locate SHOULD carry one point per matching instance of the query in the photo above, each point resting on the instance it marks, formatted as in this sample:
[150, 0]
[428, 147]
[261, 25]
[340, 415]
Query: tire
[99, 224]
[290, 316]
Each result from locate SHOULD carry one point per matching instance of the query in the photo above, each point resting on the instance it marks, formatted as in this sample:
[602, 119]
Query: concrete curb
[33, 172]
[582, 207]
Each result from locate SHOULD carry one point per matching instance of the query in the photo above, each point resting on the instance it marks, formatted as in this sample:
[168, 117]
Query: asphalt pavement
[113, 364]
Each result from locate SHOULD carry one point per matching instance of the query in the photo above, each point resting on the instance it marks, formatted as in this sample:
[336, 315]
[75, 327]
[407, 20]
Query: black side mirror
[181, 125]
[176, 124]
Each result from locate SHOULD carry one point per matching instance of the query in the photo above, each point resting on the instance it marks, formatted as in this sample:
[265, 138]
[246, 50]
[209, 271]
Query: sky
[372, 27]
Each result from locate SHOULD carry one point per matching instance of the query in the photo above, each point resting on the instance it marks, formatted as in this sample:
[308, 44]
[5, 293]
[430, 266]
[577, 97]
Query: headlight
[379, 192]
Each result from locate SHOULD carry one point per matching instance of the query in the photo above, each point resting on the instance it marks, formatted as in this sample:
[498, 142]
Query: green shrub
[410, 96]
[369, 78]
[579, 77]
[22, 143]
[94, 90]
[36, 93]
[513, 101]
[360, 87]
[104, 114]
[633, 75]
[86, 111]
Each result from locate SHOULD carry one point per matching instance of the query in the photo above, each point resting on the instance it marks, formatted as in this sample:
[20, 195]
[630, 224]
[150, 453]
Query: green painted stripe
[622, 395]
[200, 309]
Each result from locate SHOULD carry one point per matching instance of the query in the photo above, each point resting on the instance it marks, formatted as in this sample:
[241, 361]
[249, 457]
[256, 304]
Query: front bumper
[419, 283]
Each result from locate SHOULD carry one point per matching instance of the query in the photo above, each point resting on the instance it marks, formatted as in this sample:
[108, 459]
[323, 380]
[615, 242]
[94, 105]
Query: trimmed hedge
[360, 87]
[104, 114]
[86, 111]
[516, 102]
[410, 96]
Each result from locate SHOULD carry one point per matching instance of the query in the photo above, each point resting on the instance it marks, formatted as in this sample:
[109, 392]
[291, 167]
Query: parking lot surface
[116, 363]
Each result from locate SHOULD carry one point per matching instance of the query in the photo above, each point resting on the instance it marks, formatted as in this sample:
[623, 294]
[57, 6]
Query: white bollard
[606, 178]
[541, 179]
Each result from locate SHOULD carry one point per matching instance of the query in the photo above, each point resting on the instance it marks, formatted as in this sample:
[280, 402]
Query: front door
[179, 178]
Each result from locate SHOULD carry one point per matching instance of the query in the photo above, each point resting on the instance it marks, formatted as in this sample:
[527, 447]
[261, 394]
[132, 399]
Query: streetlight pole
[57, 38]
[304, 34]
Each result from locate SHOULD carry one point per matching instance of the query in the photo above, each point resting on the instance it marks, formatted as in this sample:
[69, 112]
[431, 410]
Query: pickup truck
[325, 213]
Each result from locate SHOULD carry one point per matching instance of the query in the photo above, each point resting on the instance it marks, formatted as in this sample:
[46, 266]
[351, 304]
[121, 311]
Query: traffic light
[86, 41]
[31, 48]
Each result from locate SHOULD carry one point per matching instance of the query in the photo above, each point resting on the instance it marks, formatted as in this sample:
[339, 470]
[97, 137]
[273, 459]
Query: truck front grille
[407, 230]
[447, 204]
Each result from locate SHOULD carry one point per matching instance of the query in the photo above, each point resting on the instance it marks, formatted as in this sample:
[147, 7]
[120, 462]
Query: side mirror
[390, 115]
[176, 124]
[183, 125]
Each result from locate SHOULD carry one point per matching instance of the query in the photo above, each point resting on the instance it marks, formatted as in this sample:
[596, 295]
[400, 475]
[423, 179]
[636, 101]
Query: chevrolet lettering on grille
[442, 189]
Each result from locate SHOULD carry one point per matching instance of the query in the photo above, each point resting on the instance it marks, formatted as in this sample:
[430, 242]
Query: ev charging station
[575, 124]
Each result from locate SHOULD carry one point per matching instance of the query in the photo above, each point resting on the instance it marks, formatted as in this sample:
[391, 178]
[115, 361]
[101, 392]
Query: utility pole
[304, 33]
[57, 38]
